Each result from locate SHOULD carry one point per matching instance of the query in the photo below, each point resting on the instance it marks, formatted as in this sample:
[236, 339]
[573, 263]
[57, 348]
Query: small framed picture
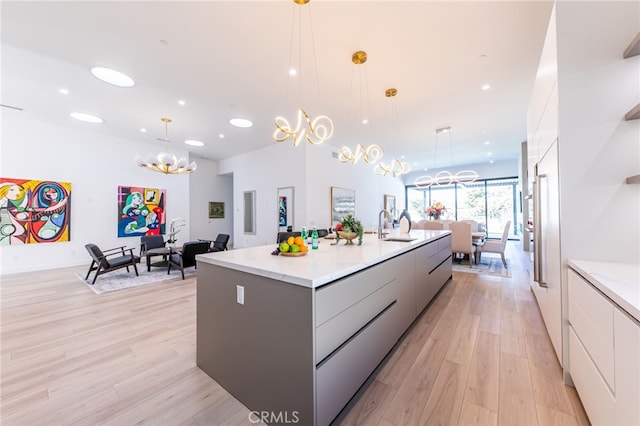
[216, 209]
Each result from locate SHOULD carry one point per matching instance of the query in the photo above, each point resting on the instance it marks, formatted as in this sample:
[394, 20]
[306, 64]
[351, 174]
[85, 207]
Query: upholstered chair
[461, 240]
[498, 246]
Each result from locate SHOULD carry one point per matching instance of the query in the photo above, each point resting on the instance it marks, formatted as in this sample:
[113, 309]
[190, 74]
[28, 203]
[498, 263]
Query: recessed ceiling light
[240, 122]
[87, 118]
[487, 142]
[143, 130]
[365, 121]
[490, 161]
[489, 154]
[486, 87]
[193, 142]
[64, 91]
[293, 72]
[181, 102]
[221, 136]
[112, 77]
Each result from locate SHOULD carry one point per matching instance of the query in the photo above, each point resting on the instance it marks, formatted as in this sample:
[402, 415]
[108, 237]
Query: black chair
[220, 243]
[187, 256]
[148, 248]
[284, 236]
[106, 261]
[322, 233]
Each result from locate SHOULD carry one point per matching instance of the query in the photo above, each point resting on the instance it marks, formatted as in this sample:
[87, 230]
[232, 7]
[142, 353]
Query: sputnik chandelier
[445, 177]
[165, 162]
[396, 167]
[316, 130]
[369, 154]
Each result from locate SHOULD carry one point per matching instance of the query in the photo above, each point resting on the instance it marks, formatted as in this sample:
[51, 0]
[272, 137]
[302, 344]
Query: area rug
[121, 279]
[487, 266]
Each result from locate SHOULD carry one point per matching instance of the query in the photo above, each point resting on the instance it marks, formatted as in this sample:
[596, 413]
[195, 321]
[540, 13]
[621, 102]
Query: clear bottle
[314, 239]
[304, 234]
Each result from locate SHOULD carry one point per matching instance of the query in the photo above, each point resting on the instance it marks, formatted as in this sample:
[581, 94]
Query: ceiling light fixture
[241, 122]
[318, 129]
[112, 76]
[165, 162]
[486, 87]
[87, 118]
[397, 167]
[194, 142]
[372, 153]
[445, 177]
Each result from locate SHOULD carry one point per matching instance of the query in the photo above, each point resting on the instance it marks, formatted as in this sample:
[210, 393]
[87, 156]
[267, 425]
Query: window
[491, 202]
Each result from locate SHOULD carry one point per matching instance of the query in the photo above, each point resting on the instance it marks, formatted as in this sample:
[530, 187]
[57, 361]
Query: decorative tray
[300, 253]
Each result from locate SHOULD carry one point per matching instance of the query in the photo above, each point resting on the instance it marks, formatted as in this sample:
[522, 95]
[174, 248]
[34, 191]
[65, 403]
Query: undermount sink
[399, 239]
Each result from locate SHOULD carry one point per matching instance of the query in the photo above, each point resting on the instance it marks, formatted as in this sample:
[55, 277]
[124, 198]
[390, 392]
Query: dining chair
[497, 246]
[432, 224]
[103, 261]
[461, 240]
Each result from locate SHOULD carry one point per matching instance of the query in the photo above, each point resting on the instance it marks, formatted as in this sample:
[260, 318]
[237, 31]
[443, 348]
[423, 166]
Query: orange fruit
[298, 241]
[303, 249]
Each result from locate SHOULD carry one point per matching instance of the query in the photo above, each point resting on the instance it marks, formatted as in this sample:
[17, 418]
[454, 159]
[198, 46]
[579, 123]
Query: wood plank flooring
[478, 355]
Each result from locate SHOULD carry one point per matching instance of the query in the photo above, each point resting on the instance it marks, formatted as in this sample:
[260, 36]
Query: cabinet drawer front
[338, 329]
[339, 378]
[438, 258]
[591, 316]
[596, 397]
[334, 298]
[627, 369]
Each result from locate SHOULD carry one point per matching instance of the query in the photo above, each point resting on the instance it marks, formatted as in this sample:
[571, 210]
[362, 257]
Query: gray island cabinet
[294, 338]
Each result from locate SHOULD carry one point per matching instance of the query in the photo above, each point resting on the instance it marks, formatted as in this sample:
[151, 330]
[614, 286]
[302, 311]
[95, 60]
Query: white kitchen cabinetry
[604, 354]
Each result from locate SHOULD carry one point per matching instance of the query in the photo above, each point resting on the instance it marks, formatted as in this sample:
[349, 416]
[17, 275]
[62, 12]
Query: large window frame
[456, 207]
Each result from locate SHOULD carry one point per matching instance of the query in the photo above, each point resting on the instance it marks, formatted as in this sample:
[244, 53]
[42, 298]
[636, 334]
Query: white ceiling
[231, 58]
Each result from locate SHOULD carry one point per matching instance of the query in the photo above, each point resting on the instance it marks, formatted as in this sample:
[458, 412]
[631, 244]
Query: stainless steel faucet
[387, 215]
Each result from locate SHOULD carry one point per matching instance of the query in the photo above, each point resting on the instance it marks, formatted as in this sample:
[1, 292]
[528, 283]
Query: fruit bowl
[300, 253]
[348, 235]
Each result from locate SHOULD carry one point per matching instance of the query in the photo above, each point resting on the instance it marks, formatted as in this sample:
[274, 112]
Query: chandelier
[371, 153]
[396, 167]
[445, 177]
[314, 130]
[165, 162]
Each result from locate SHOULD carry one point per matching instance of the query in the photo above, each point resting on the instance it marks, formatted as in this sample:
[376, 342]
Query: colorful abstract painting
[34, 211]
[140, 211]
[282, 210]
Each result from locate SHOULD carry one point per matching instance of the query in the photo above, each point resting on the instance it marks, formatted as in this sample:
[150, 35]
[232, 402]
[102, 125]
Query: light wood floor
[479, 355]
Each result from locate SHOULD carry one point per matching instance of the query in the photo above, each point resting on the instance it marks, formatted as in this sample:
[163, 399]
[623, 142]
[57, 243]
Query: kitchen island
[294, 338]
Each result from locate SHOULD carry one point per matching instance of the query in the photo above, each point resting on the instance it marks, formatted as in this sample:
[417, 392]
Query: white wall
[205, 186]
[95, 165]
[598, 149]
[312, 170]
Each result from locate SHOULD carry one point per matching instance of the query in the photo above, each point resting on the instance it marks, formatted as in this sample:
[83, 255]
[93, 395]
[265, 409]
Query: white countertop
[326, 264]
[619, 281]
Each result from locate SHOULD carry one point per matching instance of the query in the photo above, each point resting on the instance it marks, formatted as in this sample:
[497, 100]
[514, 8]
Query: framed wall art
[216, 210]
[343, 202]
[141, 211]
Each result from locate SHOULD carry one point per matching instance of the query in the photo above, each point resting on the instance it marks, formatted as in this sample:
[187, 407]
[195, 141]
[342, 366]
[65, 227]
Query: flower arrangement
[436, 210]
[350, 224]
[174, 228]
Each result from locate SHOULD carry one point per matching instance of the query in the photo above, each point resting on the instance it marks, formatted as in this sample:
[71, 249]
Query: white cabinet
[604, 355]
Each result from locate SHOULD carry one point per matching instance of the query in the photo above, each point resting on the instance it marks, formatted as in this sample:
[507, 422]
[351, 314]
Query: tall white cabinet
[582, 108]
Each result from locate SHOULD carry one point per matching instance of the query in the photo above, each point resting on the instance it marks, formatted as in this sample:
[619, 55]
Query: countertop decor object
[346, 235]
[436, 210]
[349, 225]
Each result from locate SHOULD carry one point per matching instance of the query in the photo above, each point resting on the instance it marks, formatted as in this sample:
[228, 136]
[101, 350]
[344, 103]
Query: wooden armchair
[187, 256]
[110, 260]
